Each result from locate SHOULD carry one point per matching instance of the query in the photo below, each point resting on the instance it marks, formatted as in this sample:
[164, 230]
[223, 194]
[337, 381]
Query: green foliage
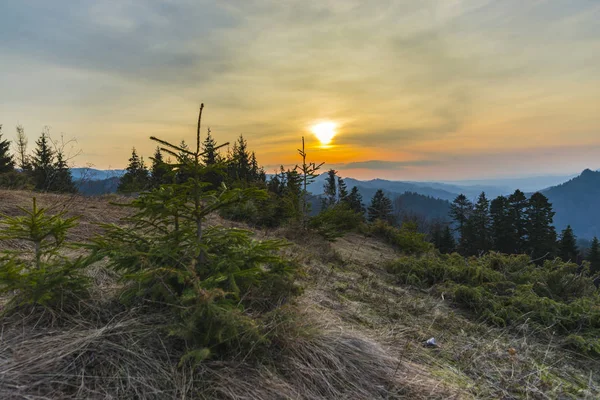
[16, 180]
[137, 178]
[7, 163]
[355, 201]
[335, 221]
[567, 245]
[511, 290]
[215, 282]
[405, 238]
[38, 273]
[381, 208]
[594, 257]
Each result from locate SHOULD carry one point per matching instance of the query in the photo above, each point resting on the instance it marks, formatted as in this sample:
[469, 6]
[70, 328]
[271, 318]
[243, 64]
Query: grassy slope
[365, 341]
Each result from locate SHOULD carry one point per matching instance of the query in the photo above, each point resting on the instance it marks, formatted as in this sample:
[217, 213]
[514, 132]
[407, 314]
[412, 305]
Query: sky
[418, 90]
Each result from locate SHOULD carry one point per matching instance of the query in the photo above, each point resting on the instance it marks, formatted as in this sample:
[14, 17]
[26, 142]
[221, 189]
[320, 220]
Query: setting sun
[325, 132]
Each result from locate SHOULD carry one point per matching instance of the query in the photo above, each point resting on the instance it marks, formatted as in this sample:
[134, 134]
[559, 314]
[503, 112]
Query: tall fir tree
[210, 156]
[342, 189]
[136, 179]
[381, 208]
[567, 245]
[460, 212]
[160, 171]
[447, 242]
[541, 243]
[62, 180]
[330, 189]
[7, 164]
[519, 205]
[478, 228]
[355, 201]
[43, 162]
[240, 163]
[503, 232]
[594, 257]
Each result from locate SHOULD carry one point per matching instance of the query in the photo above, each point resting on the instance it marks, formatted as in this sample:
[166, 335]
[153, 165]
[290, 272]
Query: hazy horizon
[431, 90]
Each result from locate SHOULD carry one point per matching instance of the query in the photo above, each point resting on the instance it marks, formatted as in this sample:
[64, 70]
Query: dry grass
[354, 334]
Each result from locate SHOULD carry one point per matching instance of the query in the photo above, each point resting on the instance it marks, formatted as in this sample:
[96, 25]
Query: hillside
[354, 333]
[577, 203]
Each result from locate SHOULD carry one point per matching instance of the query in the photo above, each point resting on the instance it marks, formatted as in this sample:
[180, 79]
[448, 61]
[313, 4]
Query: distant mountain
[577, 203]
[96, 174]
[509, 185]
[437, 190]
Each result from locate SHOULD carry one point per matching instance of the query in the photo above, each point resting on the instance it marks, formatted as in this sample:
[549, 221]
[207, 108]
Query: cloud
[396, 75]
[377, 165]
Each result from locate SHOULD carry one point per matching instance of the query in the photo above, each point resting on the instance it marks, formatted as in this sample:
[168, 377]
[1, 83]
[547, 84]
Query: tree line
[46, 169]
[514, 224]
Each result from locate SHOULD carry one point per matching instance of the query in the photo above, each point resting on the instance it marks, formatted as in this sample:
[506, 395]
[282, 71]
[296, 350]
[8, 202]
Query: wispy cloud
[399, 76]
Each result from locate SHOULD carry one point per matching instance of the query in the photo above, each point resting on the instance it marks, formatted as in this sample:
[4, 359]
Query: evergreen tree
[43, 163]
[594, 257]
[330, 189]
[240, 163]
[478, 228]
[62, 180]
[136, 179]
[518, 208]
[23, 161]
[503, 232]
[460, 211]
[567, 246]
[210, 156]
[7, 164]
[160, 171]
[447, 242]
[541, 243]
[342, 190]
[381, 208]
[355, 201]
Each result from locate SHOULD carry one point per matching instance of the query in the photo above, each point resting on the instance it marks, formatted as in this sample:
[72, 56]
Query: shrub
[406, 238]
[508, 290]
[335, 221]
[214, 282]
[37, 273]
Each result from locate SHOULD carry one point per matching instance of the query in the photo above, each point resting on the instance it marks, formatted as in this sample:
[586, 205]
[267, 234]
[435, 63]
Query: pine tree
[136, 179]
[478, 228]
[206, 275]
[342, 190]
[460, 211]
[518, 208]
[62, 180]
[7, 164]
[567, 246]
[541, 243]
[355, 201]
[43, 163]
[503, 232]
[23, 161]
[381, 208]
[330, 189]
[447, 243]
[210, 156]
[594, 257]
[160, 171]
[240, 164]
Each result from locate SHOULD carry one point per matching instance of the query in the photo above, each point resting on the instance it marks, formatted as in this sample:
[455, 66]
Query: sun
[325, 132]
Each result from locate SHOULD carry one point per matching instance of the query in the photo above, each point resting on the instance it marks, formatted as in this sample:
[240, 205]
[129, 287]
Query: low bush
[335, 221]
[406, 238]
[37, 272]
[510, 290]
